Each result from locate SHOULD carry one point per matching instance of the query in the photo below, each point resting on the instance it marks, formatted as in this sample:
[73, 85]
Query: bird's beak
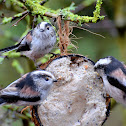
[55, 80]
[41, 30]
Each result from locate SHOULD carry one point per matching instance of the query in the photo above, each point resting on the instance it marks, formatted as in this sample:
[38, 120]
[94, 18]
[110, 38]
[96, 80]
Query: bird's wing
[118, 79]
[25, 42]
[9, 91]
[26, 91]
[12, 94]
[29, 94]
[21, 89]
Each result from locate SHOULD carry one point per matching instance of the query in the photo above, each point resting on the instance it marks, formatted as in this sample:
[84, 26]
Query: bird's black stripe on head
[14, 99]
[28, 81]
[114, 82]
[115, 64]
[47, 25]
[42, 76]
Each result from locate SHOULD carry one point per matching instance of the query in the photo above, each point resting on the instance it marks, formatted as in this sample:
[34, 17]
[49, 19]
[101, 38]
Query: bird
[113, 73]
[31, 89]
[38, 42]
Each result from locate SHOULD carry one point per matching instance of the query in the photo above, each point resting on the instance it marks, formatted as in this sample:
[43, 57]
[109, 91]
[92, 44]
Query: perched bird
[36, 43]
[113, 73]
[31, 89]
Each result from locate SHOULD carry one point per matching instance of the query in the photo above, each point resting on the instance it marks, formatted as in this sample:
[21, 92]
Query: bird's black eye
[46, 78]
[47, 28]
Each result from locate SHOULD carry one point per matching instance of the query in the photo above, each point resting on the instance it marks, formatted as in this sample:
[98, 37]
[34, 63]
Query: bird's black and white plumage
[113, 73]
[36, 43]
[31, 89]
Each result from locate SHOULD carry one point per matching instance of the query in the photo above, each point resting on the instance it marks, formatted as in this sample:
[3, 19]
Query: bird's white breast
[114, 92]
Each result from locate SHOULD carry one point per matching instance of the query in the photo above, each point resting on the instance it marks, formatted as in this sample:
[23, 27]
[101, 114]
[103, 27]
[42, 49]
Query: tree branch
[10, 19]
[35, 8]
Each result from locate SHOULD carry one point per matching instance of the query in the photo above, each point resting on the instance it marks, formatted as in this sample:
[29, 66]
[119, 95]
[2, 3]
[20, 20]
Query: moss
[97, 11]
[6, 20]
[35, 8]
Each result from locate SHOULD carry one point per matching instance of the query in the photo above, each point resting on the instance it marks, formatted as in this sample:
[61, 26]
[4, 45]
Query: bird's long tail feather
[2, 101]
[9, 48]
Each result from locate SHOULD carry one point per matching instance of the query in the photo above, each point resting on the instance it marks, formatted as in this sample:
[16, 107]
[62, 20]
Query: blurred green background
[113, 28]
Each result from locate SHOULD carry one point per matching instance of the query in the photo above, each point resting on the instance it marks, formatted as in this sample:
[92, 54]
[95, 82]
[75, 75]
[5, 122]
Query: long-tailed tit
[113, 73]
[36, 43]
[31, 89]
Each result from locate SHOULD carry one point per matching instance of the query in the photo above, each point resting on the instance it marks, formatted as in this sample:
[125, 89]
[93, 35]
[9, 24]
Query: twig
[15, 17]
[60, 35]
[10, 19]
[66, 36]
[64, 33]
[20, 19]
[89, 31]
[34, 21]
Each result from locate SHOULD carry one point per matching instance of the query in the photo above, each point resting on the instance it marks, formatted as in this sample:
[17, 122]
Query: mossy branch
[10, 19]
[35, 8]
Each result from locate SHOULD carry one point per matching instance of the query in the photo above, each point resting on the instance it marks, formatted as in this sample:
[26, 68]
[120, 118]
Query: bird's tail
[2, 101]
[9, 48]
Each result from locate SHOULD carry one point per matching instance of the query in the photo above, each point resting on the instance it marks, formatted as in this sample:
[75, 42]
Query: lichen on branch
[35, 8]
